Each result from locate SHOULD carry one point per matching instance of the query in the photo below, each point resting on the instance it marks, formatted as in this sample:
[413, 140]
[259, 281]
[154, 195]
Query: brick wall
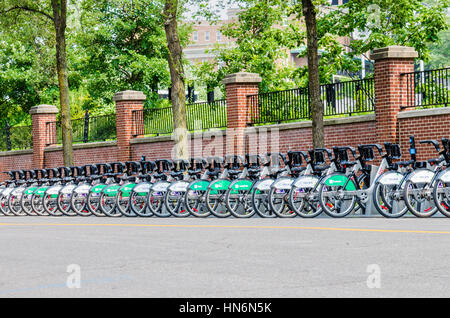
[424, 125]
[15, 160]
[83, 154]
[388, 124]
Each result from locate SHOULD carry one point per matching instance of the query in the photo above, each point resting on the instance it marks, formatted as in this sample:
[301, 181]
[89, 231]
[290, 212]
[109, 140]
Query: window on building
[218, 36]
[207, 36]
[195, 36]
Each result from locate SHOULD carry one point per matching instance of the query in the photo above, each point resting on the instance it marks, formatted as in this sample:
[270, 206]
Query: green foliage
[259, 44]
[27, 57]
[264, 37]
[120, 45]
[389, 22]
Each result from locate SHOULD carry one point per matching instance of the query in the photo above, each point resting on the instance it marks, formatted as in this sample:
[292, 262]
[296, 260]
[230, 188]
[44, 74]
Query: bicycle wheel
[138, 203]
[14, 202]
[25, 201]
[304, 197]
[195, 199]
[238, 199]
[388, 195]
[37, 204]
[260, 203]
[63, 202]
[215, 198]
[108, 205]
[441, 196]
[335, 195]
[50, 205]
[418, 194]
[279, 196]
[79, 203]
[123, 200]
[174, 203]
[4, 208]
[155, 200]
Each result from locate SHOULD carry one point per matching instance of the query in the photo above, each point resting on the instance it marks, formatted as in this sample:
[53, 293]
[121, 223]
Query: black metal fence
[16, 138]
[427, 89]
[344, 98]
[87, 129]
[199, 116]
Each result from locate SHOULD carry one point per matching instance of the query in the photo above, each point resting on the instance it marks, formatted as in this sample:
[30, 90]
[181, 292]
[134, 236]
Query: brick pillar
[238, 86]
[43, 134]
[390, 88]
[126, 103]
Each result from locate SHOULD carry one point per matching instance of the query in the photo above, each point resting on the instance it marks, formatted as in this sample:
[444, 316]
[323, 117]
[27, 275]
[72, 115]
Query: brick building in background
[207, 35]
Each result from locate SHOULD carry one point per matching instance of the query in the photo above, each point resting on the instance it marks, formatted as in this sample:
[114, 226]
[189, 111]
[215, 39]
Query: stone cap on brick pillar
[394, 52]
[242, 77]
[44, 109]
[129, 96]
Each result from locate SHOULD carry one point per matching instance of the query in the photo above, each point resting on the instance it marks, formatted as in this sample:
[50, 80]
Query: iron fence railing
[427, 89]
[199, 116]
[344, 98]
[87, 129]
[16, 138]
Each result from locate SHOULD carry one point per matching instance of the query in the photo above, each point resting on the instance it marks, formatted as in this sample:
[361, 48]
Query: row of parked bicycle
[272, 185]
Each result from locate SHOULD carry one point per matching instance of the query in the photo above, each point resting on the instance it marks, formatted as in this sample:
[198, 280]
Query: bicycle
[217, 189]
[195, 196]
[279, 190]
[176, 192]
[304, 194]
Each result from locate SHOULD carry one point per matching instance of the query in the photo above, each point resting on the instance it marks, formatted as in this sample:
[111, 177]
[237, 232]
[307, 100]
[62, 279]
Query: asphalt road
[224, 257]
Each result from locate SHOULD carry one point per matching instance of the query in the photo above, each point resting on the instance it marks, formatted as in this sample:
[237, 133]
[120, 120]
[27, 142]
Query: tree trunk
[309, 11]
[177, 78]
[59, 18]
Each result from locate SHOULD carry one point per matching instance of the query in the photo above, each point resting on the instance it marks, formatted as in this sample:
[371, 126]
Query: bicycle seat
[435, 161]
[180, 166]
[253, 164]
[405, 163]
[196, 166]
[420, 164]
[341, 155]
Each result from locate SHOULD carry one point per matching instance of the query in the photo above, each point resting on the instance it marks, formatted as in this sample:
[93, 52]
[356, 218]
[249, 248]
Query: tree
[309, 12]
[56, 12]
[259, 43]
[121, 44]
[27, 75]
[175, 59]
[260, 36]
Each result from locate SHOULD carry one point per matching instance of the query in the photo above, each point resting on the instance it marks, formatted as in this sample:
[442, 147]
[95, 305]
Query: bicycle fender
[391, 178]
[160, 186]
[179, 186]
[422, 176]
[68, 189]
[241, 185]
[127, 188]
[40, 191]
[19, 190]
[283, 184]
[30, 191]
[83, 189]
[98, 188]
[199, 185]
[219, 185]
[53, 191]
[264, 185]
[306, 182]
[111, 190]
[143, 188]
[445, 177]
